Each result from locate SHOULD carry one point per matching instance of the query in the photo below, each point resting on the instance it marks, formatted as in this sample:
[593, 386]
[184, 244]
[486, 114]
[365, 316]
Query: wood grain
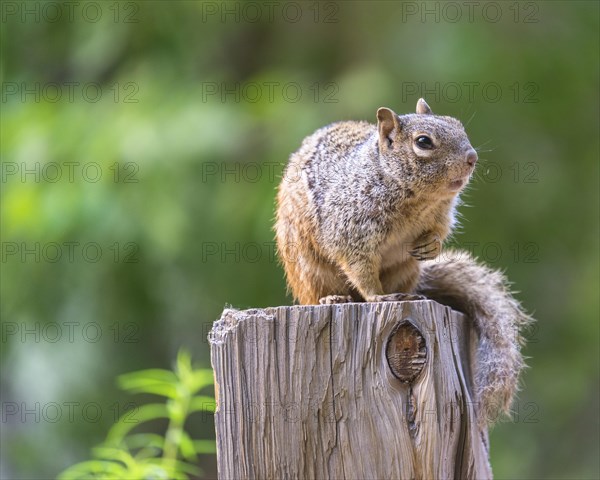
[308, 392]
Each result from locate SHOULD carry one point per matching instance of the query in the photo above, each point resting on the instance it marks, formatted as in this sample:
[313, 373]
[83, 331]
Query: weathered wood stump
[349, 391]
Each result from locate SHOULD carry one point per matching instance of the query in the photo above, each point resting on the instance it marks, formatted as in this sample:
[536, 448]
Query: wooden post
[349, 391]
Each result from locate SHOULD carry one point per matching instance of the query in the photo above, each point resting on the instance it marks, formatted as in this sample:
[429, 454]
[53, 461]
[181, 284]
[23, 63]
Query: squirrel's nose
[472, 157]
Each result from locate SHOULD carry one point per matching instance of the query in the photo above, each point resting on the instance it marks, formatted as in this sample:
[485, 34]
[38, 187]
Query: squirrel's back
[331, 143]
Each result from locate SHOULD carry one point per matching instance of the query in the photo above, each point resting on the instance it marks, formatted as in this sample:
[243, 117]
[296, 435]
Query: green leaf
[202, 403]
[186, 447]
[115, 455]
[126, 423]
[178, 466]
[90, 469]
[184, 362]
[150, 469]
[143, 440]
[188, 468]
[154, 381]
[200, 379]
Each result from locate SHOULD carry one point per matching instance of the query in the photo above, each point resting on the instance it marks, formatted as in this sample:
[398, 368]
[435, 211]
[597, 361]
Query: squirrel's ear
[423, 108]
[387, 122]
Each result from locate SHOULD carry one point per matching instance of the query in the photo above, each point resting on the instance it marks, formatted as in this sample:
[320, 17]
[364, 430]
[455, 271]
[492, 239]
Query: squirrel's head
[431, 152]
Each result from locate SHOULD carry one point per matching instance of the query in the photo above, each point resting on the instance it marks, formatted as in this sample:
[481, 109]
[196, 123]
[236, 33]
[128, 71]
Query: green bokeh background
[190, 214]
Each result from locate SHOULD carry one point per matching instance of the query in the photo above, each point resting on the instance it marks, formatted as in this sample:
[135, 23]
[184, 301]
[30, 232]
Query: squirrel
[362, 211]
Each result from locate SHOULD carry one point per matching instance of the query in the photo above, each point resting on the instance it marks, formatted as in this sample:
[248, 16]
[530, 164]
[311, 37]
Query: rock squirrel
[362, 213]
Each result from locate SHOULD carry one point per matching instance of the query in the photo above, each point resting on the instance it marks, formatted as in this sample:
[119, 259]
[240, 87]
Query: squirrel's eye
[424, 142]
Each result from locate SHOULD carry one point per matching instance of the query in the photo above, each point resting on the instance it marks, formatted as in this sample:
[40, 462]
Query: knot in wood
[406, 351]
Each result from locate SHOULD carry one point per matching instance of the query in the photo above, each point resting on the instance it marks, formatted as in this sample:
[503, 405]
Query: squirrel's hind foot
[333, 299]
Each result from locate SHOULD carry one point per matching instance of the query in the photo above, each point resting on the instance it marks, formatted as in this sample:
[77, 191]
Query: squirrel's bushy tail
[456, 279]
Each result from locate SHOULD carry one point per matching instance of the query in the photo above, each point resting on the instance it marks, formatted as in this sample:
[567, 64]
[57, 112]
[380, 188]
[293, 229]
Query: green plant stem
[173, 435]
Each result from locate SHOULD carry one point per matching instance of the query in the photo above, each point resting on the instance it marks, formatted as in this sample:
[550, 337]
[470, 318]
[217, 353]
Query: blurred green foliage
[107, 274]
[151, 455]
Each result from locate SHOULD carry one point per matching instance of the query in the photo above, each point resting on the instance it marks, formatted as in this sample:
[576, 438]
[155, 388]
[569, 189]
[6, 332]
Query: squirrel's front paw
[332, 299]
[396, 297]
[427, 247]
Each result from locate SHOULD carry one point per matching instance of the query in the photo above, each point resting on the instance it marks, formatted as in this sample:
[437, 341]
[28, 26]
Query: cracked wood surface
[308, 392]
